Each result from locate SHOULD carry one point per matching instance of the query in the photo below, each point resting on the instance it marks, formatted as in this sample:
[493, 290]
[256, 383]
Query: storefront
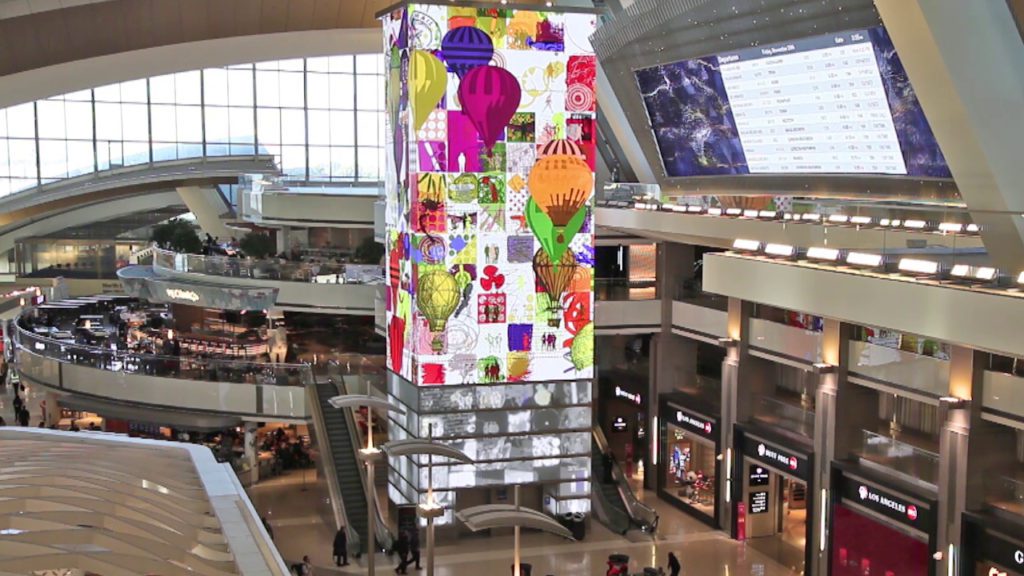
[988, 550]
[689, 447]
[879, 528]
[773, 496]
[622, 410]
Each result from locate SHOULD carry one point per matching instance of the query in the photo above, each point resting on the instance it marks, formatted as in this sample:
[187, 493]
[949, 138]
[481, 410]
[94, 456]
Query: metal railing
[914, 464]
[182, 367]
[785, 415]
[640, 514]
[268, 269]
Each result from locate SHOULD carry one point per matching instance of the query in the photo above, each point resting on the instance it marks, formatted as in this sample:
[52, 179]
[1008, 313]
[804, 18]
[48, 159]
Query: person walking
[402, 549]
[414, 547]
[673, 565]
[23, 417]
[341, 548]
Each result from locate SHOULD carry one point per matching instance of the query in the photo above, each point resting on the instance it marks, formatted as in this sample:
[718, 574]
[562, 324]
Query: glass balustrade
[916, 464]
[181, 367]
[787, 416]
[619, 289]
[269, 269]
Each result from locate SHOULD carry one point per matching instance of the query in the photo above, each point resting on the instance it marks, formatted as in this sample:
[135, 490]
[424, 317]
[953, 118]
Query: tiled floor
[702, 551]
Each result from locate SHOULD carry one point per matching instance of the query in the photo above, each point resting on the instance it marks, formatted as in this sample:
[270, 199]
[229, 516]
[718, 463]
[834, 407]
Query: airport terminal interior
[526, 287]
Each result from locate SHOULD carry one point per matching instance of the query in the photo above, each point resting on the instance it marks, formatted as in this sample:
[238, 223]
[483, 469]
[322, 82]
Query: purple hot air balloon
[465, 48]
[489, 96]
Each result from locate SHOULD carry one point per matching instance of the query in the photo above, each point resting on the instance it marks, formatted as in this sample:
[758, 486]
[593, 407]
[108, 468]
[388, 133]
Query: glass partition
[181, 367]
[915, 464]
[318, 272]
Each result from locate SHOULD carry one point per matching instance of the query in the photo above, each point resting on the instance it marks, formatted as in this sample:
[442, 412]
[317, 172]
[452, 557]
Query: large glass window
[320, 118]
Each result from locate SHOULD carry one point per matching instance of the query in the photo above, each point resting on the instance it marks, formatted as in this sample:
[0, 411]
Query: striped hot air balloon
[489, 96]
[465, 48]
[560, 147]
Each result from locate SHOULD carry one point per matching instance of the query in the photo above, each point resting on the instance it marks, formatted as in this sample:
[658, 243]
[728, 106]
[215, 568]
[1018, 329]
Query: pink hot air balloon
[489, 96]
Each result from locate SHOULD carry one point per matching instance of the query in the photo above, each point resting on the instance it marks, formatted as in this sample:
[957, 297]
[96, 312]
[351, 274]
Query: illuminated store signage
[775, 457]
[619, 424]
[758, 476]
[700, 425]
[886, 503]
[627, 395]
[758, 502]
[177, 294]
[999, 551]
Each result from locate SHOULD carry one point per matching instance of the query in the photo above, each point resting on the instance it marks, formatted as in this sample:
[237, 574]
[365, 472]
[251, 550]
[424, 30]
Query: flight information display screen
[839, 103]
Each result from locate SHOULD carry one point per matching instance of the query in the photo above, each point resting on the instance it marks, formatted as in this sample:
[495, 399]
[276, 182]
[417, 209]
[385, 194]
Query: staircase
[339, 428]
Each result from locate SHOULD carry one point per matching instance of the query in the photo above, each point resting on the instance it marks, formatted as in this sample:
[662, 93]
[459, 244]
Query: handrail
[263, 269]
[184, 367]
[327, 464]
[641, 514]
[385, 540]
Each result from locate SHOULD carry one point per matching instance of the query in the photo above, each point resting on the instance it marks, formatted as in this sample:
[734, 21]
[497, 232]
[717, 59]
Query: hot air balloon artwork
[555, 278]
[437, 295]
[489, 152]
[464, 48]
[489, 96]
[429, 83]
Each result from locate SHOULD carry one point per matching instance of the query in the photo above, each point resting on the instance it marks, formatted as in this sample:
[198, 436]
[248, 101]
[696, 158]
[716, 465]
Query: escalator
[346, 467]
[615, 504]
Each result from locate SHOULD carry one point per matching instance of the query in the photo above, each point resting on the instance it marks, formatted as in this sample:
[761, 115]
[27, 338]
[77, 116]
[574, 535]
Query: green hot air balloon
[553, 239]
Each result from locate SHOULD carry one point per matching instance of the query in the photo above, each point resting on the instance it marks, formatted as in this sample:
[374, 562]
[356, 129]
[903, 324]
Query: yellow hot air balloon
[437, 296]
[429, 83]
[560, 184]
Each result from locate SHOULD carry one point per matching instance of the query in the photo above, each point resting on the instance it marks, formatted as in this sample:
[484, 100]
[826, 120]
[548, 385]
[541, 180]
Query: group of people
[406, 548]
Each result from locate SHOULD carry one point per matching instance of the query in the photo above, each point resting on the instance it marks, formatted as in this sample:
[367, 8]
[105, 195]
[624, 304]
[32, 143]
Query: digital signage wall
[490, 153]
[833, 104]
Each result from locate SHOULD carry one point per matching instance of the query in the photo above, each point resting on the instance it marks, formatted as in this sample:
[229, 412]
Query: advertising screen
[833, 104]
[490, 157]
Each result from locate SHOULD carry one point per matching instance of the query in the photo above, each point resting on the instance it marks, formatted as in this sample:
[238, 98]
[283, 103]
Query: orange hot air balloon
[560, 185]
[555, 278]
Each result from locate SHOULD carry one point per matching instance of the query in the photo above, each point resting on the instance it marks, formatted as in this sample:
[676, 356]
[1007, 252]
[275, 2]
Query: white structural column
[621, 129]
[251, 455]
[964, 59]
[207, 205]
[736, 349]
[833, 346]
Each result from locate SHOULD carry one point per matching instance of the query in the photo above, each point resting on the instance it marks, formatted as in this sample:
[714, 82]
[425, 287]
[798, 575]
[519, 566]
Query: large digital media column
[490, 146]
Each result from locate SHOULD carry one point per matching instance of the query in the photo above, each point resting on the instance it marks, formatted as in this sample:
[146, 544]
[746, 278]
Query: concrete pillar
[251, 455]
[207, 205]
[52, 416]
[736, 351]
[957, 412]
[834, 345]
[282, 239]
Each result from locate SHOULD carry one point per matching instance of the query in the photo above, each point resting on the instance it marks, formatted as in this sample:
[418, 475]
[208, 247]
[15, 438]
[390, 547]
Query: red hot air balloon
[489, 96]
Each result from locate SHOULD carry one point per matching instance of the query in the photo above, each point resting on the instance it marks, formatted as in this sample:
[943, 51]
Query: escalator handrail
[641, 514]
[327, 463]
[385, 539]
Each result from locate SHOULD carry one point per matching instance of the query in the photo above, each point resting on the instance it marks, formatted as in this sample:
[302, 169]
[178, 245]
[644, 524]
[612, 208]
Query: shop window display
[691, 470]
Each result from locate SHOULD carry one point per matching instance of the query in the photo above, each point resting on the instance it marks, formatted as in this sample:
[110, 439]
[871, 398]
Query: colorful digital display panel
[489, 190]
[833, 104]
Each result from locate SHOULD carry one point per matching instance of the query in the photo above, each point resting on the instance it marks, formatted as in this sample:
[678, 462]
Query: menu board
[838, 104]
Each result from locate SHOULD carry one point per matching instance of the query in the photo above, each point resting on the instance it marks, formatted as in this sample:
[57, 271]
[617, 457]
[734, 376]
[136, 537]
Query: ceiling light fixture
[916, 266]
[951, 227]
[767, 214]
[884, 222]
[749, 245]
[714, 211]
[973, 228]
[695, 209]
[811, 217]
[750, 213]
[986, 273]
[860, 220]
[960, 271]
[780, 250]
[915, 224]
[733, 211]
[839, 218]
[816, 253]
[864, 259]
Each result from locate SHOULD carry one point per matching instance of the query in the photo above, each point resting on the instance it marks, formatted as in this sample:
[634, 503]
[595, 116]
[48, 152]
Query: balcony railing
[623, 289]
[180, 367]
[1005, 493]
[269, 269]
[785, 415]
[913, 463]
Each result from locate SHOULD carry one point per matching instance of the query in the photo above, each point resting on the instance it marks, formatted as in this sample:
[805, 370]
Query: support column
[956, 412]
[834, 344]
[52, 417]
[736, 349]
[207, 205]
[251, 455]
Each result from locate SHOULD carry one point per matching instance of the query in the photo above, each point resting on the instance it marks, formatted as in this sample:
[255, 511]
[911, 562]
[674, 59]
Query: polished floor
[290, 504]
